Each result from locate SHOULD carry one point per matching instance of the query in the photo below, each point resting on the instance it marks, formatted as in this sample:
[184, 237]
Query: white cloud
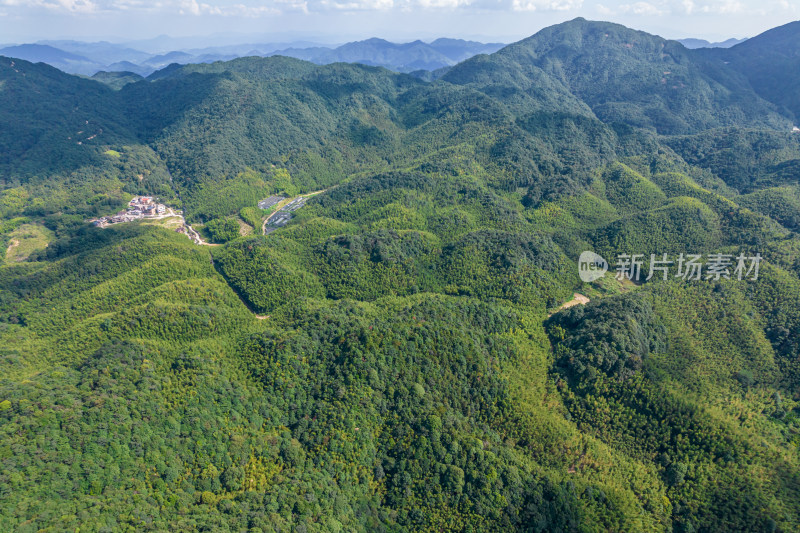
[641, 8]
[356, 5]
[74, 6]
[137, 5]
[193, 7]
[545, 5]
[444, 3]
[604, 10]
[681, 7]
[266, 8]
[719, 7]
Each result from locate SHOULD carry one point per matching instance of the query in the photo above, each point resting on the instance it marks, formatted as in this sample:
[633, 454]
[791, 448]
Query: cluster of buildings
[295, 204]
[284, 215]
[138, 208]
[266, 203]
[279, 220]
[146, 206]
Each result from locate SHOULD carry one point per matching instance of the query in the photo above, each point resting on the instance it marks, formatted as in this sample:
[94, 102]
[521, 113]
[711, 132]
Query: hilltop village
[148, 208]
[138, 208]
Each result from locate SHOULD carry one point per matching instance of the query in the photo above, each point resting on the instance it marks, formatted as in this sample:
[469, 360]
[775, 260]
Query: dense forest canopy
[396, 356]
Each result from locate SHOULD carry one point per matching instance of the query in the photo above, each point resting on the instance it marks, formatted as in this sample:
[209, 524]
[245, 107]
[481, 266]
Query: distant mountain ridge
[402, 57]
[702, 43]
[76, 57]
[56, 57]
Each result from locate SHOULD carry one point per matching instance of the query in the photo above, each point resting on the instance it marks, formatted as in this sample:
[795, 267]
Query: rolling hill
[407, 353]
[622, 75]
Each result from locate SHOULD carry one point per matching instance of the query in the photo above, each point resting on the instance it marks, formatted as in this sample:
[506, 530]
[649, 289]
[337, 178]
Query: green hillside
[399, 356]
[620, 74]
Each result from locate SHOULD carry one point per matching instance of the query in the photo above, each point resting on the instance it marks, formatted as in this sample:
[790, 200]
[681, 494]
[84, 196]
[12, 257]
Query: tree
[223, 229]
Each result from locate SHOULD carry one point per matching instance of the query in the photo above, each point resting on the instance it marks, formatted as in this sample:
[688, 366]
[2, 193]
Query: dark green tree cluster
[222, 229]
[612, 337]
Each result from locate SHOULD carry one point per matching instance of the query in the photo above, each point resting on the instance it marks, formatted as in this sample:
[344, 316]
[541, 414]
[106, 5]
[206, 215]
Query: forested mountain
[117, 80]
[771, 63]
[397, 356]
[623, 76]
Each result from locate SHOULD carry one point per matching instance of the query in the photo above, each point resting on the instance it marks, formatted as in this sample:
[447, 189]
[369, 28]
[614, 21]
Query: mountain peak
[783, 39]
[371, 40]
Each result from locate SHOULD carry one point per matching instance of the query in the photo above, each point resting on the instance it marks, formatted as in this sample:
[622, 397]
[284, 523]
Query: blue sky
[334, 21]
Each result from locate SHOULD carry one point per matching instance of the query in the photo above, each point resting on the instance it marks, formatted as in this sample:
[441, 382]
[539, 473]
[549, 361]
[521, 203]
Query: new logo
[591, 266]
